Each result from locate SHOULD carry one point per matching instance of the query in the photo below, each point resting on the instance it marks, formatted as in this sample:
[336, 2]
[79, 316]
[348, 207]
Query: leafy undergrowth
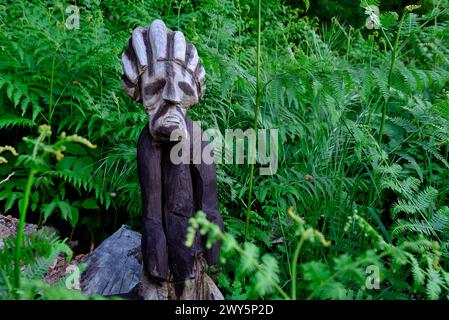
[358, 207]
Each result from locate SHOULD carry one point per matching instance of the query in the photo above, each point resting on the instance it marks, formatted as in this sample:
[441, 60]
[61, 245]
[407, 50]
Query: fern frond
[40, 267]
[9, 121]
[434, 282]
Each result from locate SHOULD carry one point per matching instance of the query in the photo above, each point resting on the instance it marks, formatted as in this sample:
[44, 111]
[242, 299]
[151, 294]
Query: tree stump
[115, 269]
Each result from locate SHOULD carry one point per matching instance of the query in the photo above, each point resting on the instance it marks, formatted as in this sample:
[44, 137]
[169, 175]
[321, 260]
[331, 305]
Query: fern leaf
[433, 286]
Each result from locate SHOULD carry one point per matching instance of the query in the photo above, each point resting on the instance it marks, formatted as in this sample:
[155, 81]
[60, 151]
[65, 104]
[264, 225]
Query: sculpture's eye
[154, 87]
[184, 86]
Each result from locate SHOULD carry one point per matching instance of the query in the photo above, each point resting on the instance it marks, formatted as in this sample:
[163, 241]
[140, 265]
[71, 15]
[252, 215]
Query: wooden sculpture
[163, 72]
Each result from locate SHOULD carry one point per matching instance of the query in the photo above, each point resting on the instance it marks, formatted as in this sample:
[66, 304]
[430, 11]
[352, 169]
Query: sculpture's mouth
[170, 126]
[171, 120]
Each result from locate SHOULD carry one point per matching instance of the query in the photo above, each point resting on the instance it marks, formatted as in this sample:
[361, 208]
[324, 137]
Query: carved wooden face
[167, 94]
[163, 72]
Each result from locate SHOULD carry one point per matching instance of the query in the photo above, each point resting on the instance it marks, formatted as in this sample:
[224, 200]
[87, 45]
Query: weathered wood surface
[163, 72]
[115, 269]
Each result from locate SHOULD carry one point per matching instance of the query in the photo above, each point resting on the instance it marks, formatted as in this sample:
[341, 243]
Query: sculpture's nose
[172, 93]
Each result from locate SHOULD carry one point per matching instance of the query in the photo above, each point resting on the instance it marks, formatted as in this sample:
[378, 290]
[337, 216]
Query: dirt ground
[8, 228]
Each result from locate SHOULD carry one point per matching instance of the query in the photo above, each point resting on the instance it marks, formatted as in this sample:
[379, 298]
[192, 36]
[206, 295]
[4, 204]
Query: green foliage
[263, 271]
[38, 251]
[362, 114]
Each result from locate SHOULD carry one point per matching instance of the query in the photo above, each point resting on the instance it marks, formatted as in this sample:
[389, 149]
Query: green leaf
[249, 258]
[307, 4]
[342, 261]
[90, 204]
[316, 273]
[35, 196]
[262, 285]
[418, 274]
[380, 224]
[271, 267]
[65, 208]
[84, 166]
[49, 209]
[12, 199]
[76, 149]
[389, 19]
[66, 163]
[434, 282]
[5, 194]
[334, 290]
[74, 217]
[262, 192]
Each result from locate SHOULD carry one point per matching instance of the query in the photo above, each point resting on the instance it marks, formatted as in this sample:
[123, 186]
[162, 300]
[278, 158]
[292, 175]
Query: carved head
[163, 72]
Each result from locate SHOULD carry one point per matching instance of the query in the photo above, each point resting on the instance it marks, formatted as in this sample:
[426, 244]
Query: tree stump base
[201, 287]
[115, 269]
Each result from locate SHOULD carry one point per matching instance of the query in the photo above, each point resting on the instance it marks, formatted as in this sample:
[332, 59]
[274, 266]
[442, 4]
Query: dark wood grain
[171, 194]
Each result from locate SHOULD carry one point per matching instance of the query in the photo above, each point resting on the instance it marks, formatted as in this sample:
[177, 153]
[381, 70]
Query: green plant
[256, 119]
[362, 116]
[37, 162]
[263, 271]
